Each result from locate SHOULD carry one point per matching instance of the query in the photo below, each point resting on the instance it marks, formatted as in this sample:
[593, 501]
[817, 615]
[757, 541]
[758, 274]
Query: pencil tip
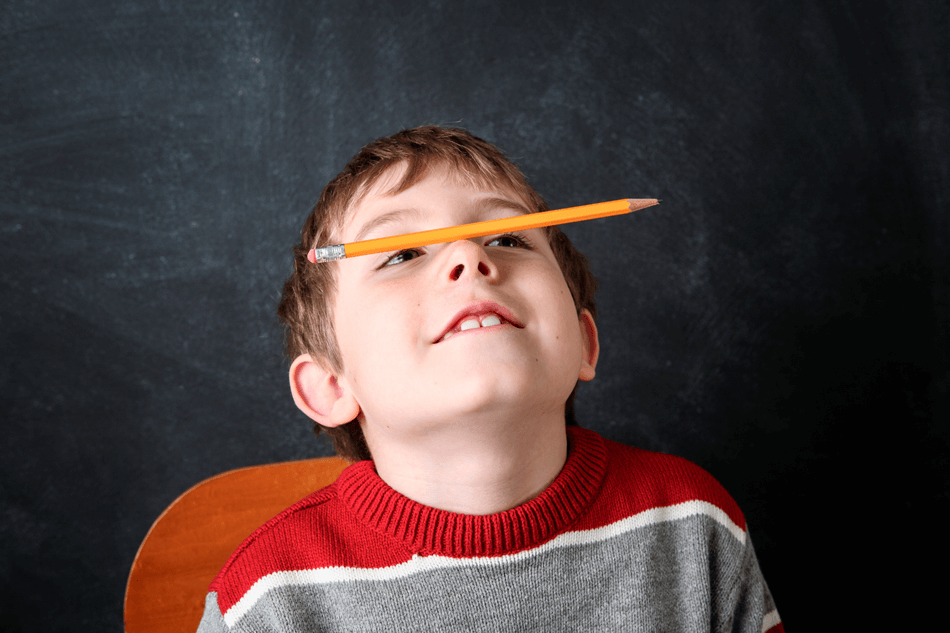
[641, 203]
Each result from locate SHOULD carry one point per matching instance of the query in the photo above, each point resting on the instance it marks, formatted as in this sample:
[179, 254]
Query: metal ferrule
[329, 253]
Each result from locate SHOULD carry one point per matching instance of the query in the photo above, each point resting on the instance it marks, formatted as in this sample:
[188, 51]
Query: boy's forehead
[386, 185]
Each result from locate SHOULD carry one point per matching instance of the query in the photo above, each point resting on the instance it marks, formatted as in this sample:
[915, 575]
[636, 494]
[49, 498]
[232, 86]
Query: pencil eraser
[312, 256]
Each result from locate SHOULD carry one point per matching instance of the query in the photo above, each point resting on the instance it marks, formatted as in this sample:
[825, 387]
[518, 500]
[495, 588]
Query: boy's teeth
[472, 322]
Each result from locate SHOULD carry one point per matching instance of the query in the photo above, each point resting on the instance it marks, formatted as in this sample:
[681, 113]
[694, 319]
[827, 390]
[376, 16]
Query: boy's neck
[469, 469]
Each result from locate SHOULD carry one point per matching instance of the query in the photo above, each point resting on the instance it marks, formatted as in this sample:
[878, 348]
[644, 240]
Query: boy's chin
[484, 360]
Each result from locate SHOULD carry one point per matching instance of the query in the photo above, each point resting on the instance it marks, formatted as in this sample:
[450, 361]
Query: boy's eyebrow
[488, 204]
[390, 217]
[395, 216]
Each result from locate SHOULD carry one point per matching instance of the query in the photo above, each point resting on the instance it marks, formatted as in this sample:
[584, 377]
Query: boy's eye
[510, 240]
[402, 256]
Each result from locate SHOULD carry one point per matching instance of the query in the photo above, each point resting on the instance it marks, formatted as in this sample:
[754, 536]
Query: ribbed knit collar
[429, 531]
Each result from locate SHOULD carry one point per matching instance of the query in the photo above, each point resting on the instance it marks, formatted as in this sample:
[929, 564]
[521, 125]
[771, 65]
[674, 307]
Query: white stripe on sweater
[771, 619]
[420, 564]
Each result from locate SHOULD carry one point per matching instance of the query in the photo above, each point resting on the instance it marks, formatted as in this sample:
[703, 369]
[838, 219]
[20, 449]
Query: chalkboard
[781, 319]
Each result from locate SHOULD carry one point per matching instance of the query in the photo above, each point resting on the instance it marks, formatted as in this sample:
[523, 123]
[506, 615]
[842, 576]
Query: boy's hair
[306, 304]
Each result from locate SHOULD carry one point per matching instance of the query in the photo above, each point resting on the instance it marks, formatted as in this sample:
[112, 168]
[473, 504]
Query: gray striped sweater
[623, 540]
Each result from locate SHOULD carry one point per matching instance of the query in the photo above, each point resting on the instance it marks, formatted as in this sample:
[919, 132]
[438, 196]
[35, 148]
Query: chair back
[193, 538]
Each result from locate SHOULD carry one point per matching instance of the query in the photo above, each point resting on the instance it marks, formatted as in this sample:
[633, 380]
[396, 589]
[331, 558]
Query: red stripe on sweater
[642, 480]
[317, 532]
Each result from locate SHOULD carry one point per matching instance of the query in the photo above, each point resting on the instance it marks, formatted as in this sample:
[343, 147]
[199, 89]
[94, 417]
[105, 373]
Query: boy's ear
[319, 394]
[591, 345]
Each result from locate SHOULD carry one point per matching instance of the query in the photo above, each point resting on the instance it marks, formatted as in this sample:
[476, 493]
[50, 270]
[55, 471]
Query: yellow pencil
[479, 229]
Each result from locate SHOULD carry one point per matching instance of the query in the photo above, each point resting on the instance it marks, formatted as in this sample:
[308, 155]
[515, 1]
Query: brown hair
[306, 304]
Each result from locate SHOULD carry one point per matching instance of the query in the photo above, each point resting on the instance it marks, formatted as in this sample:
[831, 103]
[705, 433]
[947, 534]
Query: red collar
[429, 531]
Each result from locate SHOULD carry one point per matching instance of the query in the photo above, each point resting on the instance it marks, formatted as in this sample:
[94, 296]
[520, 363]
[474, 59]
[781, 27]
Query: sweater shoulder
[318, 533]
[267, 541]
[639, 480]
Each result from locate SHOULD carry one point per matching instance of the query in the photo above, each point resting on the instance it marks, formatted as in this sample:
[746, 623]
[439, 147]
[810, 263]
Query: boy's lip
[475, 309]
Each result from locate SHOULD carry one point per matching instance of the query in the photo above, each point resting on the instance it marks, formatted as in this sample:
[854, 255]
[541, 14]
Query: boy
[453, 367]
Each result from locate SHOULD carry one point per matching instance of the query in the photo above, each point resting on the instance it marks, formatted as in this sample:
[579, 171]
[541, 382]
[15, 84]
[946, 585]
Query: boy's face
[390, 319]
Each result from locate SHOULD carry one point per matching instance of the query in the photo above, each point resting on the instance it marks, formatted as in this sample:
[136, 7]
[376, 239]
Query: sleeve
[746, 604]
[212, 621]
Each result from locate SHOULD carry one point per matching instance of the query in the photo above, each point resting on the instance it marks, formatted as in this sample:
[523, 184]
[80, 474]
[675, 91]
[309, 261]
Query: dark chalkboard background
[781, 319]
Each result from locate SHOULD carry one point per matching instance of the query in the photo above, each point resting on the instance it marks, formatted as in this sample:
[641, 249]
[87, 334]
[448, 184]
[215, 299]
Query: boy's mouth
[479, 315]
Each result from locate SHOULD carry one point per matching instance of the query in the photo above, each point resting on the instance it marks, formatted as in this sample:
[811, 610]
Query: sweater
[623, 539]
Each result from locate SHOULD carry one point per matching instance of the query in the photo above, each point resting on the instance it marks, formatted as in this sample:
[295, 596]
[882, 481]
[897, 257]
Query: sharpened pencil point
[642, 203]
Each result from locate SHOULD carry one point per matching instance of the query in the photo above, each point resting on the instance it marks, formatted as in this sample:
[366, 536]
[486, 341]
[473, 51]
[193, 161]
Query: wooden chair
[193, 538]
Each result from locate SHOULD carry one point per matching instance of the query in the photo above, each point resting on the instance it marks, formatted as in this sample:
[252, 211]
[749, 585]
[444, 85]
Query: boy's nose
[466, 257]
[458, 270]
